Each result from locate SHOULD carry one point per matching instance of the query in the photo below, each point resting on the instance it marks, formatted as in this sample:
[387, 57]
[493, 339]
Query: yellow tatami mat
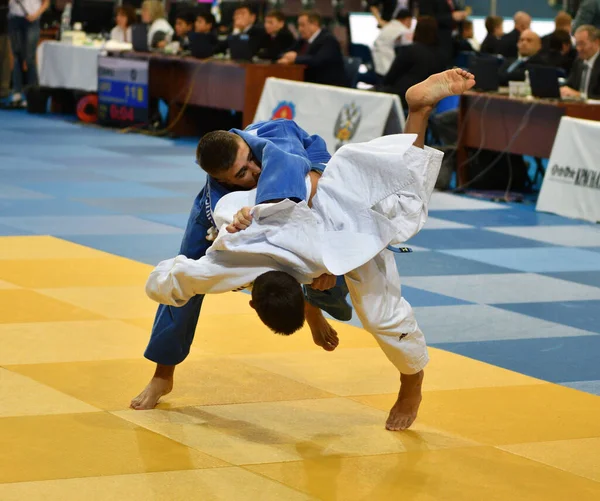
[254, 416]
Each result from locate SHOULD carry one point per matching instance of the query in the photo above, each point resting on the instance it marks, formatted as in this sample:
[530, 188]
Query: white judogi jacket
[371, 195]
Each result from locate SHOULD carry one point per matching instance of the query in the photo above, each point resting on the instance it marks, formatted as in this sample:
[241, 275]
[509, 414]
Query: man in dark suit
[279, 39]
[584, 80]
[448, 16]
[560, 52]
[244, 25]
[495, 30]
[508, 43]
[562, 22]
[319, 50]
[529, 47]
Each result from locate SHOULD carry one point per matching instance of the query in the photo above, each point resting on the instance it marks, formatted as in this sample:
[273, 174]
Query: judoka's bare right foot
[160, 385]
[323, 334]
[427, 94]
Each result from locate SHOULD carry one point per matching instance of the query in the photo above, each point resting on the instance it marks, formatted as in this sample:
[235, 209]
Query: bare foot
[431, 91]
[405, 410]
[323, 334]
[160, 385]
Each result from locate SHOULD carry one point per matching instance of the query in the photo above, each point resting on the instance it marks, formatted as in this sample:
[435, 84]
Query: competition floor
[509, 300]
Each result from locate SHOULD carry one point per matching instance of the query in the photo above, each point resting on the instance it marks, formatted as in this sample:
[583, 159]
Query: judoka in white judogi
[370, 196]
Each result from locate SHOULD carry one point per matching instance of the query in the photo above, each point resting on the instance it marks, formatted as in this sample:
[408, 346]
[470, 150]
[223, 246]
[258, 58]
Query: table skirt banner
[66, 66]
[336, 114]
[571, 185]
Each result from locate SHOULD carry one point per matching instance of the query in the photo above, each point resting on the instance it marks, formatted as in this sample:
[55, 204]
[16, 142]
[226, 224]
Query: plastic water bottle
[527, 90]
[65, 20]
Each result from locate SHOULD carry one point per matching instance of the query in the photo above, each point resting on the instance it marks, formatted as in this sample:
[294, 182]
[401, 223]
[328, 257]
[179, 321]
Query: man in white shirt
[584, 80]
[396, 32]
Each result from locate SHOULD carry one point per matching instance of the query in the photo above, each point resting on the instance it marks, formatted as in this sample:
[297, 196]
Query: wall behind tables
[507, 8]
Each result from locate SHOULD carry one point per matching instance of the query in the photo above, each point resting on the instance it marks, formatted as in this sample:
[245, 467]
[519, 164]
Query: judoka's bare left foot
[427, 94]
[323, 334]
[160, 385]
[405, 410]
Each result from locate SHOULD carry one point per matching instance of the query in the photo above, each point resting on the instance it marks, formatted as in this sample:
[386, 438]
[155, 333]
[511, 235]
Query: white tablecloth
[67, 66]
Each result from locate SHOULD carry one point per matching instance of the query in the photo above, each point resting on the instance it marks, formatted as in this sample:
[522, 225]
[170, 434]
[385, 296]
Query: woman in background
[160, 31]
[125, 19]
[416, 62]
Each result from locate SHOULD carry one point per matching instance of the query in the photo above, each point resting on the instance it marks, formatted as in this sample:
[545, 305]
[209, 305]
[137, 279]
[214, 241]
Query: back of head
[563, 21]
[403, 14]
[217, 151]
[278, 300]
[208, 17]
[493, 22]
[426, 31]
[522, 21]
[558, 39]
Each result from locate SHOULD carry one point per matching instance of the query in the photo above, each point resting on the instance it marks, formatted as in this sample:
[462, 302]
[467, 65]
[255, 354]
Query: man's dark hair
[403, 14]
[426, 31]
[217, 151]
[186, 15]
[277, 14]
[278, 299]
[558, 39]
[312, 15]
[248, 7]
[492, 22]
[208, 17]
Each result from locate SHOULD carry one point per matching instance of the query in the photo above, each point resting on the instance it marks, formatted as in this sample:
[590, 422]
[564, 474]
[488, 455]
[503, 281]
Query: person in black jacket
[529, 47]
[560, 52]
[4, 51]
[584, 80]
[279, 39]
[319, 50]
[494, 27]
[244, 23]
[416, 62]
[448, 16]
[508, 43]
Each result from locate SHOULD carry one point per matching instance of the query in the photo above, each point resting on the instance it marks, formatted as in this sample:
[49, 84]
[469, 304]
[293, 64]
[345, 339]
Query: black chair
[352, 67]
[364, 53]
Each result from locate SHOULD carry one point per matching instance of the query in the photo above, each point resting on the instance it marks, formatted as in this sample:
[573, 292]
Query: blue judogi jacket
[286, 153]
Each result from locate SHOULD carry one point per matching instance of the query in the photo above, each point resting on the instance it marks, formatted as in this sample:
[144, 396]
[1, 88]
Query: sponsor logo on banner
[585, 178]
[347, 123]
[284, 109]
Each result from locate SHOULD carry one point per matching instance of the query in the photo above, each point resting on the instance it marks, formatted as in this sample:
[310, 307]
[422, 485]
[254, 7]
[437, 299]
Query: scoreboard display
[122, 91]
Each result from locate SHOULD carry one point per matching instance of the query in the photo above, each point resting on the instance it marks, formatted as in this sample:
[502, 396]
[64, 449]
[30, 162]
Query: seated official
[160, 31]
[562, 22]
[279, 38]
[495, 31]
[466, 41]
[529, 47]
[584, 80]
[396, 32]
[125, 18]
[416, 62]
[206, 24]
[319, 50]
[184, 24]
[560, 53]
[244, 24]
[509, 41]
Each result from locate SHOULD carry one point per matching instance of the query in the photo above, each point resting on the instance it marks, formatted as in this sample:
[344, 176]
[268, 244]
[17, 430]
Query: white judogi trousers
[376, 295]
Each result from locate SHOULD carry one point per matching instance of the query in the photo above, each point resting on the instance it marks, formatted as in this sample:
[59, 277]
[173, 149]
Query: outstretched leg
[423, 97]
